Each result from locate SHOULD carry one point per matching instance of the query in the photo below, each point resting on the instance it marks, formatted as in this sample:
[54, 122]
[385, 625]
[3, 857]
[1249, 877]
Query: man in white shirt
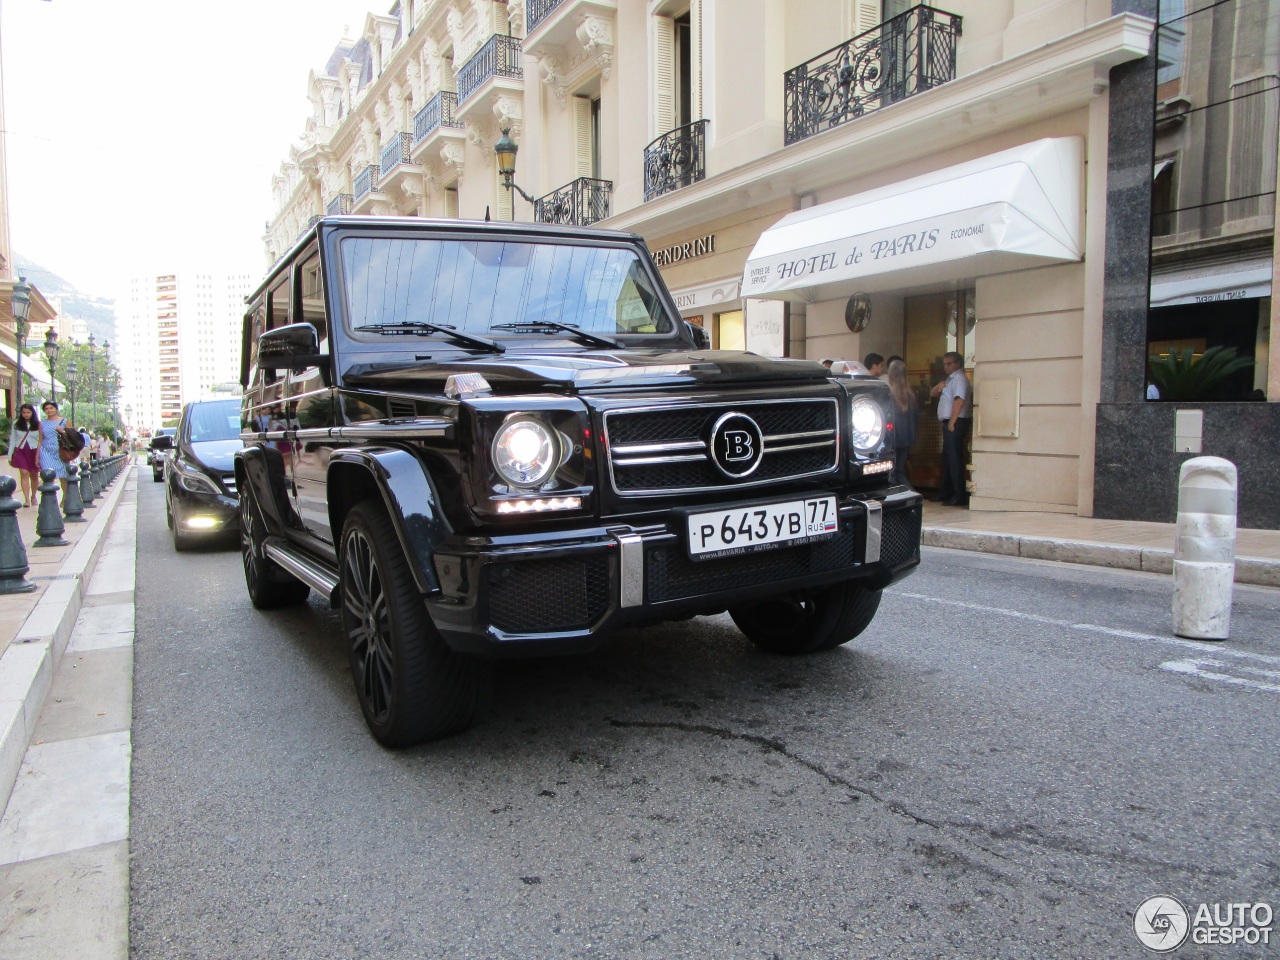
[955, 413]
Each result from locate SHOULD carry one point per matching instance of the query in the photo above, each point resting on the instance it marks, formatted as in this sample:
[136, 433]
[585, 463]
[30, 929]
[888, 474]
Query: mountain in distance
[98, 312]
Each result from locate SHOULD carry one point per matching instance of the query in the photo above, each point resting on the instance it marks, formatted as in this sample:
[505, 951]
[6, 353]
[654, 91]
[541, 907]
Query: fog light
[884, 466]
[201, 523]
[540, 506]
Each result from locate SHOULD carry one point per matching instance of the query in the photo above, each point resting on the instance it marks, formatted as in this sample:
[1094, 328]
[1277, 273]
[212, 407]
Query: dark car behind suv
[488, 440]
[200, 480]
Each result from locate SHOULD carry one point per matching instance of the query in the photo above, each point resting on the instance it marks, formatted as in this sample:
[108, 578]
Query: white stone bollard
[1204, 553]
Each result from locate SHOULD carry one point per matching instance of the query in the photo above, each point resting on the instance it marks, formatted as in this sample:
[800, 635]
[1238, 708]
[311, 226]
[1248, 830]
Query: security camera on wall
[857, 312]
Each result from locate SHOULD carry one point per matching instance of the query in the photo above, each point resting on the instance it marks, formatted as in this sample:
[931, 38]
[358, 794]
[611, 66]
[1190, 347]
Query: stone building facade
[818, 178]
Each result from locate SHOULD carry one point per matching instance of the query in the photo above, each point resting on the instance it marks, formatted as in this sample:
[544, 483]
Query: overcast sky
[141, 133]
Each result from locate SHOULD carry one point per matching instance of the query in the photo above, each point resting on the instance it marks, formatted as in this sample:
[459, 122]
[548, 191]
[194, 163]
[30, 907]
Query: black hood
[595, 370]
[215, 454]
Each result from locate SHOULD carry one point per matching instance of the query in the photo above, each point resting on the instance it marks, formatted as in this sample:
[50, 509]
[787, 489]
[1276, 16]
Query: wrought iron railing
[579, 203]
[339, 204]
[539, 10]
[499, 57]
[395, 153]
[366, 182]
[437, 113]
[676, 159]
[909, 54]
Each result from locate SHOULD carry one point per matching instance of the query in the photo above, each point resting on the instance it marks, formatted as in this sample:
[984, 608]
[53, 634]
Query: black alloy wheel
[269, 586]
[411, 686]
[808, 621]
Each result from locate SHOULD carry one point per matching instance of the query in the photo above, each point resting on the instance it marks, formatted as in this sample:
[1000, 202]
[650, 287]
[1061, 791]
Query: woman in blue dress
[50, 427]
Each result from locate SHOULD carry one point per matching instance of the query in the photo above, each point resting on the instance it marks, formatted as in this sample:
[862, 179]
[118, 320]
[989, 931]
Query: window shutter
[866, 15]
[582, 151]
[504, 202]
[695, 61]
[664, 63]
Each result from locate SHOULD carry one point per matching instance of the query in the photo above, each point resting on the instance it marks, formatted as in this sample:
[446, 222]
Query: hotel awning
[1007, 211]
[36, 369]
[1211, 283]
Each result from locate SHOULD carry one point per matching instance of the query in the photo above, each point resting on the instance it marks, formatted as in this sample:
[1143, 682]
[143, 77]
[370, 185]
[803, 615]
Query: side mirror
[162, 442]
[291, 347]
[701, 341]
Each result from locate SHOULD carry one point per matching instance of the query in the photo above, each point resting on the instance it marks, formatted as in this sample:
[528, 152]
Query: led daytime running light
[540, 506]
[883, 466]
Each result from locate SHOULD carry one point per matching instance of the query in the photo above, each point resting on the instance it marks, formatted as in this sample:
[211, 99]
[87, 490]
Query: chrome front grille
[660, 450]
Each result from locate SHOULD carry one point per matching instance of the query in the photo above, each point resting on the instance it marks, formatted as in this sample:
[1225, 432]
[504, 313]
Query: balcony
[395, 163]
[909, 54]
[578, 203]
[366, 182]
[499, 57]
[676, 159]
[338, 205]
[436, 114]
[539, 10]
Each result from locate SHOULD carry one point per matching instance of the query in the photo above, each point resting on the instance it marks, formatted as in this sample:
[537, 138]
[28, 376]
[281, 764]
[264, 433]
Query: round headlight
[868, 424]
[525, 452]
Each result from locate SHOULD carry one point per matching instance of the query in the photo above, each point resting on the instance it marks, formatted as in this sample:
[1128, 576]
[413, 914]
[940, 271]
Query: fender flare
[410, 500]
[255, 469]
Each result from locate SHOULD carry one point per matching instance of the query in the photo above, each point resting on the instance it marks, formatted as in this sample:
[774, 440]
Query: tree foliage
[1184, 376]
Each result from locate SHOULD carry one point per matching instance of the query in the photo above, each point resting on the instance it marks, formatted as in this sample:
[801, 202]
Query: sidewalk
[1120, 544]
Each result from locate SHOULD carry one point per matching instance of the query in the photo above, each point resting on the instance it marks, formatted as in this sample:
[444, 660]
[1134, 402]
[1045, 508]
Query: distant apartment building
[179, 340]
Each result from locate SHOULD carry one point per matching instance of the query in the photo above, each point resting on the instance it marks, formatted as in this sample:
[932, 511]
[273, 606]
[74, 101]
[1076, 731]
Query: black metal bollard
[48, 519]
[96, 476]
[86, 486]
[72, 507]
[13, 555]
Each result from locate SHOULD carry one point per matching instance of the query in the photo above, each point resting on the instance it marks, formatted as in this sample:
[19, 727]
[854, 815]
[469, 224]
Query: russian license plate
[723, 533]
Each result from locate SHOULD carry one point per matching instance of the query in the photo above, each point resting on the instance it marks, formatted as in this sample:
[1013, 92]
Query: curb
[30, 662]
[1260, 571]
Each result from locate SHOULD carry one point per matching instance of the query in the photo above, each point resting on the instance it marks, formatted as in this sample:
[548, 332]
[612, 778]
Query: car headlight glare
[867, 420]
[525, 452]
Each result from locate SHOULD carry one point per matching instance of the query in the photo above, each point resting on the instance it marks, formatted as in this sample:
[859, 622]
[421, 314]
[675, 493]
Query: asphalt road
[1008, 762]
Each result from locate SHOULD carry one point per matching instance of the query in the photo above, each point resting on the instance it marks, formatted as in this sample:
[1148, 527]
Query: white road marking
[1191, 666]
[1196, 668]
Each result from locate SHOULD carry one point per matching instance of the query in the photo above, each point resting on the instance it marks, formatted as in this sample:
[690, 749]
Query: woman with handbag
[52, 450]
[24, 447]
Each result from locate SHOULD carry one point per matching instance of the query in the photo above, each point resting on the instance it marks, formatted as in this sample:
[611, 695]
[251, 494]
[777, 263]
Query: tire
[411, 686]
[810, 620]
[156, 476]
[269, 586]
[181, 543]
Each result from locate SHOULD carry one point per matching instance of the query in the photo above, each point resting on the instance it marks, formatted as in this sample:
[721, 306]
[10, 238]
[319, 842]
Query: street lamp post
[71, 390]
[20, 303]
[51, 352]
[505, 150]
[93, 392]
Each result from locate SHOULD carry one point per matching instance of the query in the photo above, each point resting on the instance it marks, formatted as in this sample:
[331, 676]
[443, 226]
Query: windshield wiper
[422, 329]
[553, 326]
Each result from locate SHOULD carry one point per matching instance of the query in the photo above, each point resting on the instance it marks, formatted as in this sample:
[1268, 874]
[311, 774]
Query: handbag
[70, 443]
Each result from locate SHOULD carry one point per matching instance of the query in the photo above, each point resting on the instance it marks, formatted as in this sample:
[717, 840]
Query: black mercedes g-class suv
[484, 440]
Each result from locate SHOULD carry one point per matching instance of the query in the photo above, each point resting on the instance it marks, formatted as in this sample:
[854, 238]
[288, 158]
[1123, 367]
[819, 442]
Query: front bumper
[564, 593]
[201, 514]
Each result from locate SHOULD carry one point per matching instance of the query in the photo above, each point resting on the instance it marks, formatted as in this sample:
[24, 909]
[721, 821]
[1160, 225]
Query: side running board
[318, 577]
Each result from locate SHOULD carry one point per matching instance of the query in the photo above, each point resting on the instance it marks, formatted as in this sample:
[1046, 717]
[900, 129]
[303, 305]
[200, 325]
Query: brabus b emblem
[736, 445]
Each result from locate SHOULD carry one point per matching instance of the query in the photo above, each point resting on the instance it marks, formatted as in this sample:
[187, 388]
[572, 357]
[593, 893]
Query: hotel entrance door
[935, 324]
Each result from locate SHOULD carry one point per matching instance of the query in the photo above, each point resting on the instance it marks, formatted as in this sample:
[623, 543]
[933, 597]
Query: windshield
[482, 286]
[213, 421]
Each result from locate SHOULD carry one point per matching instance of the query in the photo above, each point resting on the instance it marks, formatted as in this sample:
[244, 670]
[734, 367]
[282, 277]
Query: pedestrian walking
[51, 427]
[874, 363]
[104, 447]
[905, 417]
[955, 413]
[24, 448]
